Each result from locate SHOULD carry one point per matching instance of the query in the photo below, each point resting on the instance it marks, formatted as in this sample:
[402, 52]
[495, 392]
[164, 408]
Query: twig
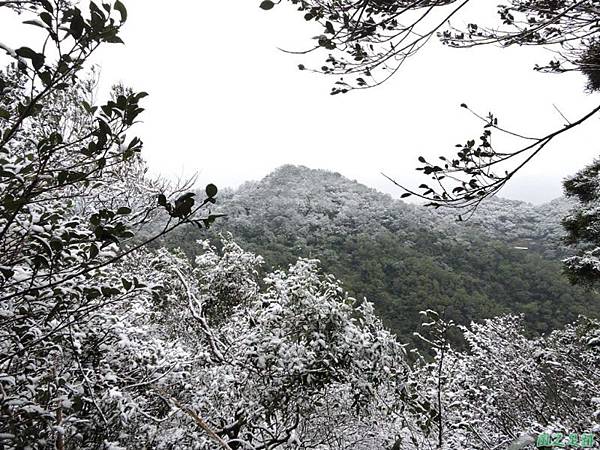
[199, 421]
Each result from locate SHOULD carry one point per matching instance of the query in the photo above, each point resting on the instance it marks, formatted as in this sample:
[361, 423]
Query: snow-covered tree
[583, 225]
[107, 344]
[73, 192]
[294, 364]
[509, 388]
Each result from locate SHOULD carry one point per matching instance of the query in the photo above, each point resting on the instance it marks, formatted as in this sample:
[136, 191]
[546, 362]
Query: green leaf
[62, 177]
[86, 106]
[57, 245]
[113, 40]
[26, 52]
[210, 219]
[122, 10]
[211, 190]
[406, 194]
[183, 205]
[4, 114]
[6, 272]
[94, 251]
[124, 210]
[108, 291]
[47, 5]
[77, 24]
[98, 17]
[46, 78]
[46, 18]
[107, 110]
[126, 283]
[267, 4]
[36, 23]
[93, 293]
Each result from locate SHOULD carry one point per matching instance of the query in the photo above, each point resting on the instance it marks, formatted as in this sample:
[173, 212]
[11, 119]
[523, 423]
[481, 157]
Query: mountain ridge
[517, 222]
[403, 257]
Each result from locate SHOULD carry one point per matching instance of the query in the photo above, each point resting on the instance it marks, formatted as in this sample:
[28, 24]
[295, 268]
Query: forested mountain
[108, 343]
[403, 257]
[521, 224]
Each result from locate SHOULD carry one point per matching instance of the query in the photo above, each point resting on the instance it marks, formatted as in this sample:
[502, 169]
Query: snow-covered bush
[509, 388]
[73, 193]
[303, 364]
[294, 364]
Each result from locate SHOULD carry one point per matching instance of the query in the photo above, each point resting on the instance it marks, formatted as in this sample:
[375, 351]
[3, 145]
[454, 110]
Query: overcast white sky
[226, 103]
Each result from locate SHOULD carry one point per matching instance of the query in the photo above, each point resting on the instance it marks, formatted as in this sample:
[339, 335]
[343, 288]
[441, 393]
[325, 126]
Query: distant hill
[520, 224]
[407, 258]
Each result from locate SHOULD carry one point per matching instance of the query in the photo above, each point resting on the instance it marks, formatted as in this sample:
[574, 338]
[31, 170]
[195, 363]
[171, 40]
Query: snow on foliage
[509, 388]
[106, 344]
[296, 362]
[582, 225]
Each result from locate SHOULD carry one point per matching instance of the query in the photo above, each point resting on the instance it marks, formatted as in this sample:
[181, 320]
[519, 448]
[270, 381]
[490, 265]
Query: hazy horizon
[241, 108]
[233, 109]
[383, 186]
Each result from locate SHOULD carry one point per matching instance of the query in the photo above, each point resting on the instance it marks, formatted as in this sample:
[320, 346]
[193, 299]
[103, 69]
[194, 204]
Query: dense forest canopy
[405, 258]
